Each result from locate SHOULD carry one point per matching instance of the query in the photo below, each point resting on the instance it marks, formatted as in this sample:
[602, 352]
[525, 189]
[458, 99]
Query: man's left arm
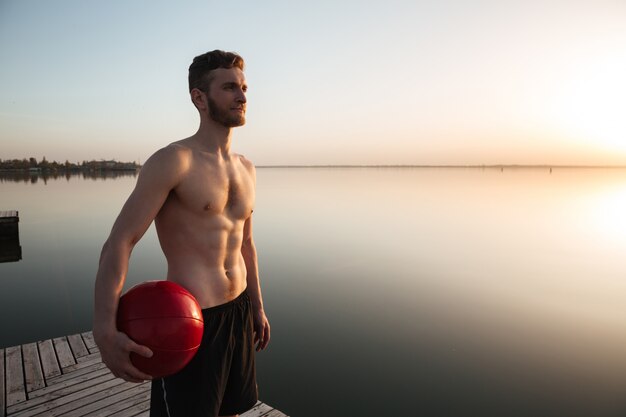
[261, 324]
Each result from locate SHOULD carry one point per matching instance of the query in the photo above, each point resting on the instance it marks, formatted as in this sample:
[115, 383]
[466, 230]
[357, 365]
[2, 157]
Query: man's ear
[199, 99]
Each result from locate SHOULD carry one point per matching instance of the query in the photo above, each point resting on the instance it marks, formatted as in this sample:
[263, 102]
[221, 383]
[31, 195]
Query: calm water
[435, 292]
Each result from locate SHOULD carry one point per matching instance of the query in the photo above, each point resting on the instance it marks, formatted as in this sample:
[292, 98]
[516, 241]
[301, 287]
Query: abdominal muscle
[204, 255]
[211, 286]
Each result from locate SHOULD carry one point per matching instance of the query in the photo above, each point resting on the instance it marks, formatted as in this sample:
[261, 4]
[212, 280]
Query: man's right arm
[159, 175]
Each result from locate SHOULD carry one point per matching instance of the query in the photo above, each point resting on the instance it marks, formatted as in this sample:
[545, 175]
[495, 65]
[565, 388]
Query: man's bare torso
[200, 225]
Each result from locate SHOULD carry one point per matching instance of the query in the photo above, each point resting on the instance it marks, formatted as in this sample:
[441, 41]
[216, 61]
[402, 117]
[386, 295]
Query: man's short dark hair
[202, 65]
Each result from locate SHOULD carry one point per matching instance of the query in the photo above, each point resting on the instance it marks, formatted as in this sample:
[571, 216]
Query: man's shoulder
[174, 152]
[169, 159]
[178, 149]
[246, 162]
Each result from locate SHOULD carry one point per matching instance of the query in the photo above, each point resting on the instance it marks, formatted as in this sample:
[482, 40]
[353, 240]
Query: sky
[330, 82]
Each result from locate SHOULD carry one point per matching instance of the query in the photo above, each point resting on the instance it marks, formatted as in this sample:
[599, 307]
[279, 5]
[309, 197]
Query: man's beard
[225, 117]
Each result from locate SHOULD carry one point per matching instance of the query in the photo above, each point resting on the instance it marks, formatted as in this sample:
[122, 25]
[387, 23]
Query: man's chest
[218, 190]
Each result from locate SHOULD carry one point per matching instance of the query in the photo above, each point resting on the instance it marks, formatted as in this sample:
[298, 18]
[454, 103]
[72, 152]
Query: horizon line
[445, 166]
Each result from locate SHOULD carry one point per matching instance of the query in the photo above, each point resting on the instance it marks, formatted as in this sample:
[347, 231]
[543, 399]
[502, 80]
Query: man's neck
[214, 138]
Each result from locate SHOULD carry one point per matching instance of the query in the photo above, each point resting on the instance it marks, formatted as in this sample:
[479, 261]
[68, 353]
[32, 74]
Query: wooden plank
[142, 408]
[8, 213]
[71, 379]
[85, 387]
[84, 362]
[88, 339]
[89, 358]
[48, 359]
[32, 367]
[63, 405]
[146, 406]
[64, 353]
[78, 369]
[15, 376]
[113, 403]
[73, 370]
[275, 413]
[258, 410]
[78, 346]
[63, 396]
[2, 405]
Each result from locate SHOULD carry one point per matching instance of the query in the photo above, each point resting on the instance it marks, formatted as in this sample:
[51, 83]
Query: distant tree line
[44, 166]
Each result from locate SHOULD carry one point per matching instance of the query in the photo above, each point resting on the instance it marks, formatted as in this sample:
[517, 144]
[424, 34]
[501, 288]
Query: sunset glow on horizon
[395, 82]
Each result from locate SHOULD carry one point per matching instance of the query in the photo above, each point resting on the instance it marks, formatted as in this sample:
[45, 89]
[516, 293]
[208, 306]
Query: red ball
[166, 318]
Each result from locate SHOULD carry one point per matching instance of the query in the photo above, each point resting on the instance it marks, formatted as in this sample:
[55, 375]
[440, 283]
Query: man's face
[227, 97]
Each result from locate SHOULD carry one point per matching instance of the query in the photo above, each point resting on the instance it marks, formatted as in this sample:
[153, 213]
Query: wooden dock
[8, 222]
[8, 214]
[10, 249]
[66, 377]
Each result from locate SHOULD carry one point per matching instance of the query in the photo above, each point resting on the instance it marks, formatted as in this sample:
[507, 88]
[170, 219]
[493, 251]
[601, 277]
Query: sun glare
[591, 105]
[607, 214]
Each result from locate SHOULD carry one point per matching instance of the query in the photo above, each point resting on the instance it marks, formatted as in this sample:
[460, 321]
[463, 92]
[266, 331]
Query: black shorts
[221, 377]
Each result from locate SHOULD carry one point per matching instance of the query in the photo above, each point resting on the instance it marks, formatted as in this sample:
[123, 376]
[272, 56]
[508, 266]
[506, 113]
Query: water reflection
[607, 213]
[467, 291]
[35, 176]
[390, 291]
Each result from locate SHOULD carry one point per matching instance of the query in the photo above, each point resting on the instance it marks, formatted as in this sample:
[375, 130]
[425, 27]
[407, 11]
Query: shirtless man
[201, 197]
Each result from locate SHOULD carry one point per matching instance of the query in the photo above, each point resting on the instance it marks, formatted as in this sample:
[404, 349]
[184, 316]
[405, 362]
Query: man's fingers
[130, 372]
[129, 345]
[139, 349]
[263, 338]
[139, 376]
[266, 336]
[116, 356]
[128, 378]
[258, 338]
[133, 374]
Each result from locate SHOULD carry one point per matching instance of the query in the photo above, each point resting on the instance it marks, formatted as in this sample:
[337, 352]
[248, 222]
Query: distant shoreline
[64, 170]
[16, 166]
[34, 167]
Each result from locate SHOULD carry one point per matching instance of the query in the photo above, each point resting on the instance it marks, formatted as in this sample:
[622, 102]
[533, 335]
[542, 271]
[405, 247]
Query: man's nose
[241, 97]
